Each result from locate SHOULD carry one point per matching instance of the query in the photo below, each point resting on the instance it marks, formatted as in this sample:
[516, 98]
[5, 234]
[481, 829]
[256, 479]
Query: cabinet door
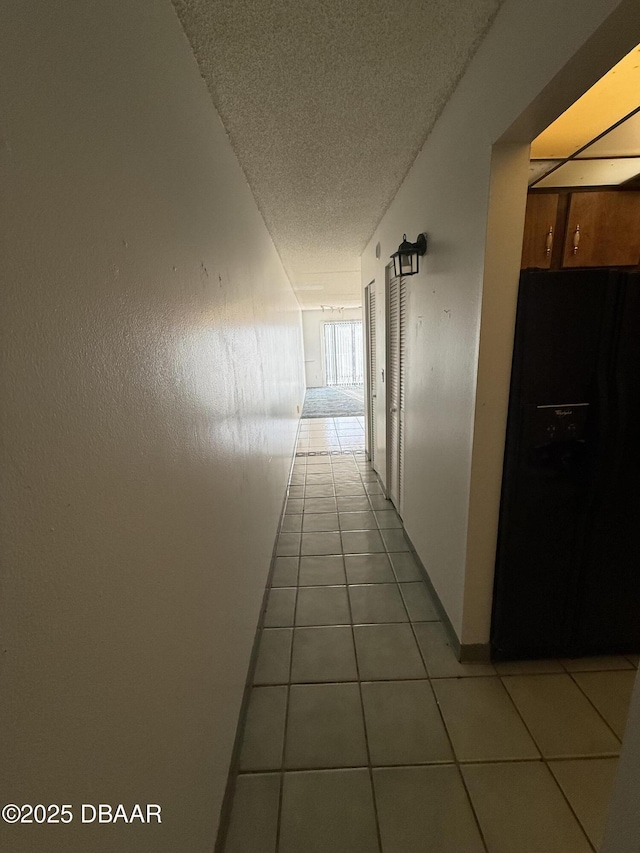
[603, 230]
[539, 230]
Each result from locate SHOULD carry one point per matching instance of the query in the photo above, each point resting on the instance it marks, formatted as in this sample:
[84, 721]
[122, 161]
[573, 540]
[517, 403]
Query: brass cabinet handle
[576, 240]
[549, 241]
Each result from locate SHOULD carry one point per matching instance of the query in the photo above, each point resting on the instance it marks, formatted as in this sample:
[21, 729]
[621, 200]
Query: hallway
[364, 733]
[186, 186]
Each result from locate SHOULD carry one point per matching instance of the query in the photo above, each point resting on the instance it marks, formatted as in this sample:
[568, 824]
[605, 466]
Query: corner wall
[524, 65]
[151, 371]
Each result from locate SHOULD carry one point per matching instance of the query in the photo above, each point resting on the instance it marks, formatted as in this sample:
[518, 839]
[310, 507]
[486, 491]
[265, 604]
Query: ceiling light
[623, 140]
[406, 259]
[539, 168]
[592, 173]
[615, 95]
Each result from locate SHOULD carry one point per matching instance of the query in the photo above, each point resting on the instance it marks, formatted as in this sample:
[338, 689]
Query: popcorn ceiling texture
[327, 103]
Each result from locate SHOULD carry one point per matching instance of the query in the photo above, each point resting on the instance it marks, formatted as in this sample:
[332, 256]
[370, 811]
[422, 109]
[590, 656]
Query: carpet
[333, 402]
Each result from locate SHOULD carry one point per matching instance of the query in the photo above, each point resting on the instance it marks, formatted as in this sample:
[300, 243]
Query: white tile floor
[322, 434]
[364, 734]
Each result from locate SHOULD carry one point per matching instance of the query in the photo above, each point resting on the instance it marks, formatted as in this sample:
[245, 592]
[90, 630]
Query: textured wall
[151, 369]
[516, 70]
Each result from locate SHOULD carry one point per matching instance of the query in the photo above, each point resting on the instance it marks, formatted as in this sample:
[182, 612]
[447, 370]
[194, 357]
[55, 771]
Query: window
[343, 354]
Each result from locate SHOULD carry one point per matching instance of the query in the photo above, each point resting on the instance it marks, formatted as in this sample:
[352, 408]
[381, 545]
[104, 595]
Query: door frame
[369, 399]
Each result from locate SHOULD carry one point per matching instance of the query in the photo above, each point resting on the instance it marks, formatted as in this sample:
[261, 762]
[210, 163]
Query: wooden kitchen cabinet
[540, 227]
[602, 230]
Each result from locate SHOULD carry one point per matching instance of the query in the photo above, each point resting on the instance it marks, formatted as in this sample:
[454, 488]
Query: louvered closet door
[370, 296]
[402, 362]
[396, 369]
[393, 389]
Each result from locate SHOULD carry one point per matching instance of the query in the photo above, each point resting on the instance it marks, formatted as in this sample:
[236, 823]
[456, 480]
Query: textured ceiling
[327, 103]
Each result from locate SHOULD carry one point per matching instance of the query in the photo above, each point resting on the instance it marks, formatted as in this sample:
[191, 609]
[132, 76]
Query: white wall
[151, 371]
[313, 332]
[524, 61]
[622, 829]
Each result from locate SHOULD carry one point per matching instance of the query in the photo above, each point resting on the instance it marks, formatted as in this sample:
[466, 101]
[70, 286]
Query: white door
[402, 369]
[371, 362]
[396, 362]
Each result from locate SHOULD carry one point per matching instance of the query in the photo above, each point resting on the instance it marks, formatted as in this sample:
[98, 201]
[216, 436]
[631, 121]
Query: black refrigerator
[567, 579]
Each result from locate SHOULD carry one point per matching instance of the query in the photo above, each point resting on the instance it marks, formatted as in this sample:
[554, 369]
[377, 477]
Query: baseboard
[475, 653]
[465, 652]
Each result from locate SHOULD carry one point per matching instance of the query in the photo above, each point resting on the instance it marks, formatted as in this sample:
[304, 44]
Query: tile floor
[364, 734]
[322, 434]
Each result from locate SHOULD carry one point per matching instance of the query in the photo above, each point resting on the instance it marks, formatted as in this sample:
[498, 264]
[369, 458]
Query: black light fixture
[406, 259]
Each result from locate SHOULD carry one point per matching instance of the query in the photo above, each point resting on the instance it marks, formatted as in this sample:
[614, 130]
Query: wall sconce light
[406, 259]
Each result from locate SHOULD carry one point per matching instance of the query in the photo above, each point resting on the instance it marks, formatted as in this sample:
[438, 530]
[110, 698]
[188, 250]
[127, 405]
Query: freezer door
[540, 549]
[558, 412]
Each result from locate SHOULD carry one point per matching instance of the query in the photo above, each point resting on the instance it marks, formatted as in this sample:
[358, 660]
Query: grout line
[456, 761]
[286, 709]
[571, 809]
[287, 703]
[470, 801]
[364, 721]
[450, 762]
[346, 587]
[427, 679]
[592, 703]
[305, 769]
[517, 710]
[546, 760]
[457, 764]
[234, 770]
